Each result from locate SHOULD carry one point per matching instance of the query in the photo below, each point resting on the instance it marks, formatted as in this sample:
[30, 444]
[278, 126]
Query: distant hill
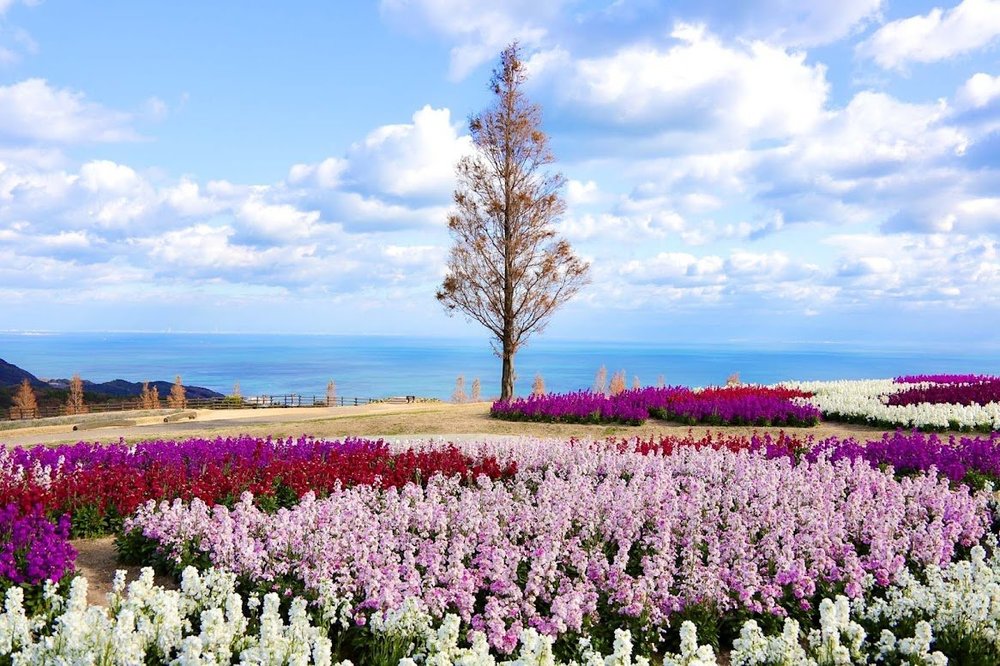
[11, 376]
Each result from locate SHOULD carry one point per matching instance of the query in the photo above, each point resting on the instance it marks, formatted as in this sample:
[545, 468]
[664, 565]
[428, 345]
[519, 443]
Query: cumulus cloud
[698, 83]
[35, 111]
[937, 35]
[414, 159]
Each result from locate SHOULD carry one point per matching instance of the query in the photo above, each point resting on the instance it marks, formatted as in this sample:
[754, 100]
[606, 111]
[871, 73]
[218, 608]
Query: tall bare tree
[507, 269]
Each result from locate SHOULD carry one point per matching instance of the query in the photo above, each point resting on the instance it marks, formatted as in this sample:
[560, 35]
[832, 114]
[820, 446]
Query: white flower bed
[860, 402]
[205, 623]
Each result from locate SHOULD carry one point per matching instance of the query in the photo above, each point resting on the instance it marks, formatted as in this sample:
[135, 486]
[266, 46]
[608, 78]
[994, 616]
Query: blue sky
[764, 171]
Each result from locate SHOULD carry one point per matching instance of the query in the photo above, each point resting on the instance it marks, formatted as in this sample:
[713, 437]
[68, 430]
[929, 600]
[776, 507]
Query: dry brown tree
[74, 402]
[538, 387]
[635, 382]
[458, 395]
[178, 395]
[507, 268]
[733, 379]
[25, 406]
[150, 397]
[617, 383]
[601, 381]
[475, 395]
[661, 382]
[237, 393]
[331, 393]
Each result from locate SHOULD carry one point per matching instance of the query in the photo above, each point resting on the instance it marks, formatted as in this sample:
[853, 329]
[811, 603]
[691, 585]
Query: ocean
[381, 366]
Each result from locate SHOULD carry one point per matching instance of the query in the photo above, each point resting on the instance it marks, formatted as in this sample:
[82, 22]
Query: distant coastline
[380, 366]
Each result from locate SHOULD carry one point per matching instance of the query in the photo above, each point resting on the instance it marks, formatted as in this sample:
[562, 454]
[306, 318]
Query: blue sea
[381, 366]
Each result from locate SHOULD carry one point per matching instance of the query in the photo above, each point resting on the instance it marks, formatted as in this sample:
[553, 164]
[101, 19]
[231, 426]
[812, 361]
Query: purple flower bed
[980, 392]
[943, 379]
[741, 405]
[576, 407]
[969, 459]
[33, 550]
[758, 410]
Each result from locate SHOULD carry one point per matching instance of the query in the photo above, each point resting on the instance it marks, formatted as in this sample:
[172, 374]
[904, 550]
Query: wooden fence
[228, 402]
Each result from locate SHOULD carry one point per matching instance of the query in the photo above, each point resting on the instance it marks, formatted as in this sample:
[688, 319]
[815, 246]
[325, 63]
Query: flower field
[928, 402]
[763, 549]
[731, 405]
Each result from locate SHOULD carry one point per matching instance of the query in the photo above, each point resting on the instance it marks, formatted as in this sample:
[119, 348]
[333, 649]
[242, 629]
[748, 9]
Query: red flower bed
[99, 485]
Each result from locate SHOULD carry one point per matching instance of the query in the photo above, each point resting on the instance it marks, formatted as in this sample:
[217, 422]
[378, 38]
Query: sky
[764, 172]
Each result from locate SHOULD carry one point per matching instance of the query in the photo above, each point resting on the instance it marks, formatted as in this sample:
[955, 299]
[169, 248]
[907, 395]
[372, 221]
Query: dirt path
[98, 561]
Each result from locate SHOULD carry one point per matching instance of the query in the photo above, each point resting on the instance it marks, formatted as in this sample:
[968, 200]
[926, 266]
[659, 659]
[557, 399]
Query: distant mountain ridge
[11, 375]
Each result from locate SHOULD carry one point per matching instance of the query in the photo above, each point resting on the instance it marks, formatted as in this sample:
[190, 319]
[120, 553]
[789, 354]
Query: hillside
[11, 376]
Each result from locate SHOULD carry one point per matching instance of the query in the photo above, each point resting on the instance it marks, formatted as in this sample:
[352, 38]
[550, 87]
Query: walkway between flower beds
[98, 561]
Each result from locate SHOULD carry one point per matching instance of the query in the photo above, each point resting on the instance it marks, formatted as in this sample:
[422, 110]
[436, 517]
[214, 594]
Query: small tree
[661, 382]
[25, 404]
[236, 391]
[733, 379]
[458, 396]
[635, 382]
[331, 393]
[507, 268]
[538, 387]
[601, 381]
[617, 383]
[475, 394]
[149, 398]
[74, 402]
[178, 395]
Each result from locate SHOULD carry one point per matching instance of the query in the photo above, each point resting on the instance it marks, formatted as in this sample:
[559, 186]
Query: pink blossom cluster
[587, 529]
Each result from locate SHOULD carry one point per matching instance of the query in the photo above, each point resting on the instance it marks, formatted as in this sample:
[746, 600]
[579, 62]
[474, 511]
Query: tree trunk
[507, 376]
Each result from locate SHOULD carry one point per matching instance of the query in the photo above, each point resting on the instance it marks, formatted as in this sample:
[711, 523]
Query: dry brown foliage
[617, 383]
[635, 382]
[25, 406]
[331, 393]
[661, 382]
[178, 395]
[236, 391]
[507, 269]
[733, 379]
[74, 402]
[475, 394]
[538, 386]
[601, 381]
[458, 395]
[150, 397]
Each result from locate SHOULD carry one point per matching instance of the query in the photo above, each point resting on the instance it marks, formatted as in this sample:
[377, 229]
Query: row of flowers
[736, 405]
[978, 392]
[872, 402]
[98, 485]
[595, 540]
[946, 612]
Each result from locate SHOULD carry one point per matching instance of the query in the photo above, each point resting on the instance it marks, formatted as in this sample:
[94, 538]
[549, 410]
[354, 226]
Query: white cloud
[937, 35]
[32, 110]
[480, 30]
[698, 84]
[809, 22]
[410, 159]
[978, 91]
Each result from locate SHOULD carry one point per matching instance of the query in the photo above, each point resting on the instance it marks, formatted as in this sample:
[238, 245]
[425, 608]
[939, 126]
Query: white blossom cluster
[862, 401]
[204, 622]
